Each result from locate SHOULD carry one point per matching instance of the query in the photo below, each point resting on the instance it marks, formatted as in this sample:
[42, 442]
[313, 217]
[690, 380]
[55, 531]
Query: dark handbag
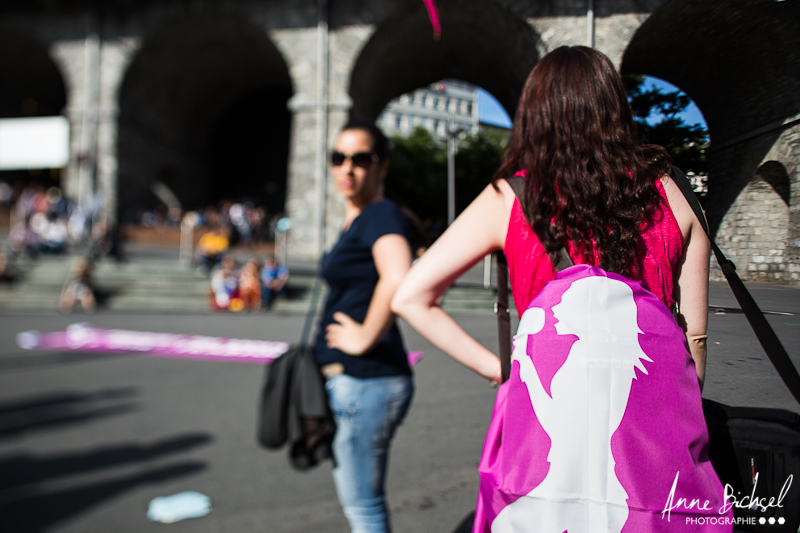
[293, 407]
[755, 451]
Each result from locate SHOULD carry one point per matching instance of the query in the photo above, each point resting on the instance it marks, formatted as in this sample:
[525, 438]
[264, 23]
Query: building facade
[435, 107]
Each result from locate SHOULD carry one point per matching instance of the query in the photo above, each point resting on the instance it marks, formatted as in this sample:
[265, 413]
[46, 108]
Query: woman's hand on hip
[346, 334]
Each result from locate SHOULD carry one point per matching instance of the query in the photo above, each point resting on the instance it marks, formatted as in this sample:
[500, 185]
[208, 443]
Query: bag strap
[503, 316]
[764, 332]
[312, 310]
[562, 261]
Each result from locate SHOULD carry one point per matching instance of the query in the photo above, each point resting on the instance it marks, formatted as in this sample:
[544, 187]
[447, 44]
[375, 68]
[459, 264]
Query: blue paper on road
[168, 509]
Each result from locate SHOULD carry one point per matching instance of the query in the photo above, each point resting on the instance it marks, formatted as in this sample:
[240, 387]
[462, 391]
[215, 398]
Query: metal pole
[590, 24]
[282, 242]
[451, 177]
[452, 133]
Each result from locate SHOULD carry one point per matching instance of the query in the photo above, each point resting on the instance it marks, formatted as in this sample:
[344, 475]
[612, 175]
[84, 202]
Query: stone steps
[165, 284]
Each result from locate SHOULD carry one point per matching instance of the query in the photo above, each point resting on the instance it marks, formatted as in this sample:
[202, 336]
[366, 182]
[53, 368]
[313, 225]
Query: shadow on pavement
[466, 525]
[23, 469]
[35, 360]
[51, 411]
[31, 502]
[34, 511]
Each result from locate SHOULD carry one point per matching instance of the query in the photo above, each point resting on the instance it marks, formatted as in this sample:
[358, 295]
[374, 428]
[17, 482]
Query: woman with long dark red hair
[588, 187]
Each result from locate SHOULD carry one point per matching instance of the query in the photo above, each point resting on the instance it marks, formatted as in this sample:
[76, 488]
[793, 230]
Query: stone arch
[402, 55]
[203, 109]
[755, 230]
[38, 88]
[774, 174]
[715, 51]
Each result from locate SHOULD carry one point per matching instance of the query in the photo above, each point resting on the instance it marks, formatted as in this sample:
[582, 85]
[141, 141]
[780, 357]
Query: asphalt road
[87, 440]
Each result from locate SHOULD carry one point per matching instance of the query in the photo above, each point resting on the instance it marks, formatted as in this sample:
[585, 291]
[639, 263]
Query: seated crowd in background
[46, 221]
[255, 286]
[244, 223]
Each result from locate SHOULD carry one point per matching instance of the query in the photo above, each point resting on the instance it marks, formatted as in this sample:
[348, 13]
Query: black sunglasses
[359, 159]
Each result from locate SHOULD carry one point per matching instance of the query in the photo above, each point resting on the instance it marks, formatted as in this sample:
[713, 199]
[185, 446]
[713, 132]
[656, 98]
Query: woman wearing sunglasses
[359, 347]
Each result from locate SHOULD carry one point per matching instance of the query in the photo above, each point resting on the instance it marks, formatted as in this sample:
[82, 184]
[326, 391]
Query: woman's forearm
[698, 349]
[379, 317]
[433, 323]
[479, 230]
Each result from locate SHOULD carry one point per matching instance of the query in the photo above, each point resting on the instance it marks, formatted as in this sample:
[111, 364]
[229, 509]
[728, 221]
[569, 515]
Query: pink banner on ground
[85, 338]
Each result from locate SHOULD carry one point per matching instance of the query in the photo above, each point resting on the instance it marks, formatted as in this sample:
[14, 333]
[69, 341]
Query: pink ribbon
[433, 14]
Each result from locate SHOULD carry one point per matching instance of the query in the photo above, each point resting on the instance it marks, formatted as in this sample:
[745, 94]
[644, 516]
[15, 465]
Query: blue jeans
[367, 412]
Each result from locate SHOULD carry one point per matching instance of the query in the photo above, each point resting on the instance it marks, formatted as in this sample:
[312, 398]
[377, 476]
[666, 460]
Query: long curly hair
[589, 181]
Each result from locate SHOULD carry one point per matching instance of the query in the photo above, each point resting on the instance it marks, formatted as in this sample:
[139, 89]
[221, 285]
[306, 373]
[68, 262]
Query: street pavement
[87, 440]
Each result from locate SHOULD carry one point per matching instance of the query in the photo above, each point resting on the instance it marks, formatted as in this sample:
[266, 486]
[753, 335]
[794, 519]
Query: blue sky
[691, 115]
[493, 113]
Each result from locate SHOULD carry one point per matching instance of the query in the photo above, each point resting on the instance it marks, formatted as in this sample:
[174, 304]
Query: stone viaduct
[160, 89]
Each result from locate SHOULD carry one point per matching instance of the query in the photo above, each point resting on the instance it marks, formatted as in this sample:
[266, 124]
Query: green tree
[477, 159]
[418, 173]
[686, 143]
[418, 176]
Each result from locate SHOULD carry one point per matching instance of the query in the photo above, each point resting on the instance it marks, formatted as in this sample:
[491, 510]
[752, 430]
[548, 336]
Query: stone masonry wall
[760, 232]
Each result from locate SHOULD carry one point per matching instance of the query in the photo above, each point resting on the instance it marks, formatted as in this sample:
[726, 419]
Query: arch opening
[755, 230]
[774, 175]
[421, 124]
[203, 110]
[667, 116]
[402, 54]
[32, 87]
[744, 84]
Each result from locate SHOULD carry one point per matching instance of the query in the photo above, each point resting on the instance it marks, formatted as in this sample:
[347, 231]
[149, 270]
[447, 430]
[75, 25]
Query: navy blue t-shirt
[350, 272]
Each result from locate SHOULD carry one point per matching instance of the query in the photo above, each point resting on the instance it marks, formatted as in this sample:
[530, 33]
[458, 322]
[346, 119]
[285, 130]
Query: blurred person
[79, 289]
[52, 232]
[174, 215]
[211, 247]
[23, 240]
[56, 203]
[250, 285]
[27, 201]
[273, 281]
[258, 221]
[359, 346]
[239, 224]
[8, 273]
[224, 287]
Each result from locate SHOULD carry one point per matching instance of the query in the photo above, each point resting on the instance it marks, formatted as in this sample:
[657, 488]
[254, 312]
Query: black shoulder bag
[293, 407]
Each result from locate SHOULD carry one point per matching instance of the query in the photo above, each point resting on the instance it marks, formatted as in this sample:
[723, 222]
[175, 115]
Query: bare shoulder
[507, 194]
[680, 207]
